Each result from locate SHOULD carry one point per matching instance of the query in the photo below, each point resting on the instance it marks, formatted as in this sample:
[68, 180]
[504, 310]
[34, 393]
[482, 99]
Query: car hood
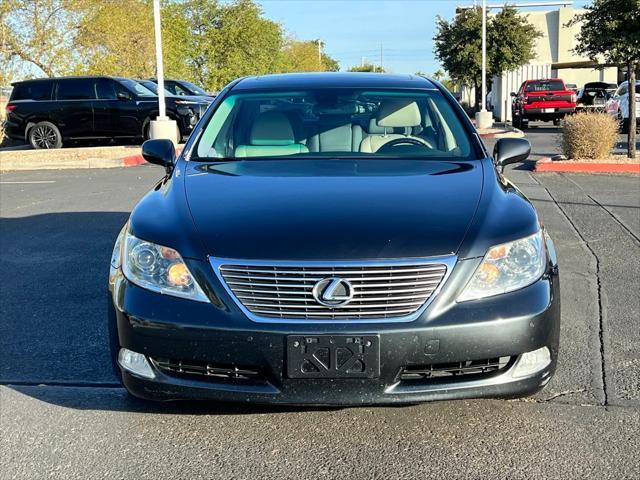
[332, 209]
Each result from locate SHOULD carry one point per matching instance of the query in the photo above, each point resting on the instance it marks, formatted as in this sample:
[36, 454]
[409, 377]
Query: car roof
[333, 80]
[75, 77]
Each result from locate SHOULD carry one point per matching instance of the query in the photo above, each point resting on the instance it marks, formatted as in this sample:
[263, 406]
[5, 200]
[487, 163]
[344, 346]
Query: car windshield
[153, 87]
[545, 86]
[342, 122]
[137, 88]
[194, 88]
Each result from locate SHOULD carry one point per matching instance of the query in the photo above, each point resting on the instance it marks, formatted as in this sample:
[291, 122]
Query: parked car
[182, 87]
[572, 86]
[594, 96]
[181, 99]
[49, 112]
[618, 105]
[546, 100]
[334, 239]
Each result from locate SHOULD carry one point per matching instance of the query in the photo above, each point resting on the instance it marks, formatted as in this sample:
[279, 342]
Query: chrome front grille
[389, 291]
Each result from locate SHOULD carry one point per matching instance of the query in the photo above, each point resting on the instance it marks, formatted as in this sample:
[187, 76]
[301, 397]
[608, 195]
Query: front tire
[44, 135]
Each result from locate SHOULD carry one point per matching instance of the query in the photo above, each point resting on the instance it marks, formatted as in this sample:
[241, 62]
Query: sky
[357, 29]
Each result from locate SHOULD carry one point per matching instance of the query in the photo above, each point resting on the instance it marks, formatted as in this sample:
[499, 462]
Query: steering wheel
[404, 141]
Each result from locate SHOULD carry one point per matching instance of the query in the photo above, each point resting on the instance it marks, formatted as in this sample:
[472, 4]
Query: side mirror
[510, 150]
[123, 96]
[514, 94]
[161, 152]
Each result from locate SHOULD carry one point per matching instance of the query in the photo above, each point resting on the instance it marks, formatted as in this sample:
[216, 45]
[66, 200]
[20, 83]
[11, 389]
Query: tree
[458, 44]
[111, 45]
[39, 33]
[367, 67]
[302, 56]
[611, 29]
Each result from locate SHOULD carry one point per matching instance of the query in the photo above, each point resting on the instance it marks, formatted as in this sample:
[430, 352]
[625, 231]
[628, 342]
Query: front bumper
[164, 327]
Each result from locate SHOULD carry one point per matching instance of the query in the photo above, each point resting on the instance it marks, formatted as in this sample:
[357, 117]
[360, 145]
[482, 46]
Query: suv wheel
[45, 135]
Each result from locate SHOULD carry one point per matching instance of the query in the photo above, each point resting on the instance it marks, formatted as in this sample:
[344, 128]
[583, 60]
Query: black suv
[48, 112]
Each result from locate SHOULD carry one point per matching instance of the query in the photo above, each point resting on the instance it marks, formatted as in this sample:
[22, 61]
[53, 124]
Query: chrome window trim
[448, 260]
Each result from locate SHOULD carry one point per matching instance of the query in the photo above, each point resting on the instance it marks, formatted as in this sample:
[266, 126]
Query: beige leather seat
[392, 114]
[271, 135]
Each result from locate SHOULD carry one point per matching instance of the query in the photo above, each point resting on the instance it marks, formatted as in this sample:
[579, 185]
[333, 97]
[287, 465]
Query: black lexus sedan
[334, 239]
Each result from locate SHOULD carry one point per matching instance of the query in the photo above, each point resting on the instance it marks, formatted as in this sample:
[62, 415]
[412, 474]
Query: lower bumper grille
[211, 371]
[456, 369]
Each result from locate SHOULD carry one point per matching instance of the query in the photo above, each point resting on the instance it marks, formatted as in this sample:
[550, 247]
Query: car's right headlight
[158, 268]
[507, 267]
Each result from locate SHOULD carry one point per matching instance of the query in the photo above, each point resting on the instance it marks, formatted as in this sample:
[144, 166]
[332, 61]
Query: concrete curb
[64, 158]
[545, 164]
[515, 133]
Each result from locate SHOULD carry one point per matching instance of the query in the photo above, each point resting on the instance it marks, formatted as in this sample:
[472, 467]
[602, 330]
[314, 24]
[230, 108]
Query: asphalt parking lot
[62, 414]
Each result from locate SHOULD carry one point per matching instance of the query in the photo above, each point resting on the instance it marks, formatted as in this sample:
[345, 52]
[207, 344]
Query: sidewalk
[500, 130]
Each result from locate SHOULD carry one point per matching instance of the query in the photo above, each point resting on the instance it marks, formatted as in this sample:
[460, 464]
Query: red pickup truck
[546, 100]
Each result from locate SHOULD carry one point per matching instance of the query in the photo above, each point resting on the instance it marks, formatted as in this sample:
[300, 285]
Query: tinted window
[323, 122]
[76, 89]
[139, 89]
[175, 89]
[40, 90]
[544, 86]
[196, 90]
[104, 89]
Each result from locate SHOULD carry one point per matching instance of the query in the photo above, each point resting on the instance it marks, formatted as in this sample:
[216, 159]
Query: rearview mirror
[161, 152]
[510, 150]
[123, 96]
[514, 94]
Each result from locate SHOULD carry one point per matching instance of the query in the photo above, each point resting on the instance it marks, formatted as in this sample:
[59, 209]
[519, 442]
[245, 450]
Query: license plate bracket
[333, 356]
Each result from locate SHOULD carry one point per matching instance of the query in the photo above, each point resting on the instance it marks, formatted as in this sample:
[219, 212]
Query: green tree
[112, 45]
[367, 67]
[302, 56]
[458, 44]
[611, 29]
[38, 33]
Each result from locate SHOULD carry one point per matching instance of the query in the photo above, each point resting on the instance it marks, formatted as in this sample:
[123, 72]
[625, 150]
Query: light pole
[162, 126]
[484, 119]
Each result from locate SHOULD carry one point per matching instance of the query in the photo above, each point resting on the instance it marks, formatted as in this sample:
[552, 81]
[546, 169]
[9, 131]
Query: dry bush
[589, 135]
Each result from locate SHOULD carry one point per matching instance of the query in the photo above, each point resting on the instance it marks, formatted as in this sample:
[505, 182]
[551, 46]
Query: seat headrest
[374, 128]
[399, 112]
[272, 128]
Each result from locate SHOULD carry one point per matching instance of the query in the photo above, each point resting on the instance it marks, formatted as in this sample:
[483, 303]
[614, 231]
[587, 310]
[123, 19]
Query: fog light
[532, 362]
[135, 363]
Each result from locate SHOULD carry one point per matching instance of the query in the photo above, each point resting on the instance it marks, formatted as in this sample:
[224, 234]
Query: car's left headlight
[158, 268]
[507, 267]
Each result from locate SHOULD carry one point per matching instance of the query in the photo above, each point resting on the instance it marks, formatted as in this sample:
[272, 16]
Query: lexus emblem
[333, 292]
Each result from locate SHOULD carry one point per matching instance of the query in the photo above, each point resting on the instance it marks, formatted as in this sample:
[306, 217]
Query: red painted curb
[547, 165]
[134, 160]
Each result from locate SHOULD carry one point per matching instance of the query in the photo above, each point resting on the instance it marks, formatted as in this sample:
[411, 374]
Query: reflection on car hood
[332, 209]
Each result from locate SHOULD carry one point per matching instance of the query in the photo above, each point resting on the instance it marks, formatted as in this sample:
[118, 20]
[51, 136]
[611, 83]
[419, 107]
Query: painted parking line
[22, 183]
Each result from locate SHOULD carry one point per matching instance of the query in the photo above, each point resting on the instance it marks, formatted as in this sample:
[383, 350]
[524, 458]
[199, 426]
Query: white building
[555, 58]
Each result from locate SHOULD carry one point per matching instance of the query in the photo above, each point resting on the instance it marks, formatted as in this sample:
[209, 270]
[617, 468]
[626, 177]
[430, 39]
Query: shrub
[589, 135]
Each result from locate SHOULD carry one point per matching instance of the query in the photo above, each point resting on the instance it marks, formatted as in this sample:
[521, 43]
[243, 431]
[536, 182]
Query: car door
[105, 117]
[74, 107]
[128, 112]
